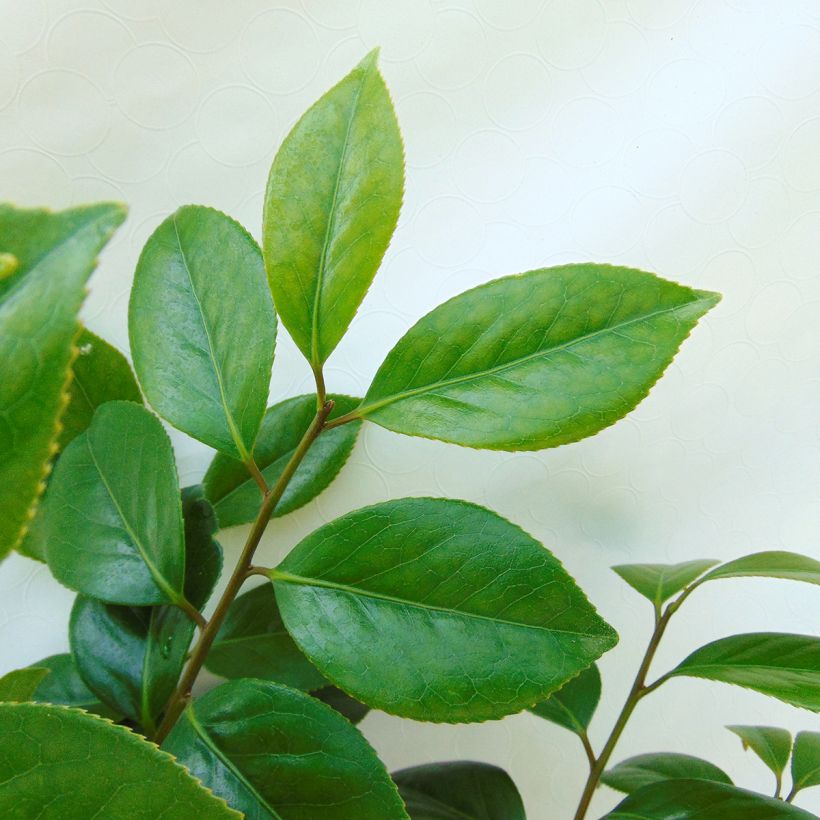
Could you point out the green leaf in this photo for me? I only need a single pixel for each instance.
(63, 763)
(21, 684)
(458, 790)
(40, 297)
(100, 374)
(806, 761)
(275, 752)
(64, 687)
(235, 495)
(535, 360)
(331, 205)
(639, 771)
(112, 521)
(203, 329)
(132, 657)
(438, 610)
(253, 643)
(659, 582)
(772, 745)
(574, 704)
(334, 697)
(773, 564)
(786, 667)
(702, 800)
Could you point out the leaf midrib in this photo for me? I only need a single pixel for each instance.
(203, 735)
(364, 409)
(234, 430)
(331, 225)
(299, 580)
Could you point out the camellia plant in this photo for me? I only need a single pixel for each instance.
(431, 609)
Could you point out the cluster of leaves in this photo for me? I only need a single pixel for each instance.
(430, 609)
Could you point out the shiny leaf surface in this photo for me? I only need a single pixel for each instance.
(345, 705)
(690, 799)
(772, 745)
(62, 763)
(40, 296)
(437, 609)
(202, 328)
(112, 521)
(275, 752)
(642, 770)
(235, 495)
(535, 360)
(806, 760)
(574, 704)
(253, 643)
(63, 686)
(783, 666)
(659, 582)
(459, 790)
(331, 205)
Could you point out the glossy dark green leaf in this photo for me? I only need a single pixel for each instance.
(772, 745)
(774, 564)
(535, 360)
(783, 666)
(806, 761)
(202, 328)
(112, 521)
(275, 752)
(345, 705)
(21, 684)
(438, 610)
(253, 643)
(459, 790)
(659, 582)
(331, 205)
(639, 771)
(64, 687)
(235, 495)
(131, 657)
(574, 704)
(40, 295)
(62, 763)
(100, 373)
(702, 800)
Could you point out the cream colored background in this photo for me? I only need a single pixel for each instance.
(674, 135)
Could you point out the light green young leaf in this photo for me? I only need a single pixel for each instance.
(235, 495)
(773, 564)
(62, 763)
(21, 684)
(702, 800)
(438, 610)
(331, 206)
(203, 329)
(100, 373)
(459, 789)
(112, 521)
(275, 752)
(772, 745)
(253, 643)
(64, 687)
(40, 297)
(574, 704)
(659, 582)
(784, 666)
(642, 770)
(131, 657)
(806, 761)
(535, 360)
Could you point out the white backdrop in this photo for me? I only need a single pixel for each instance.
(678, 136)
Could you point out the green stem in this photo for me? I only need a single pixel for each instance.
(791, 795)
(590, 752)
(256, 473)
(178, 700)
(193, 613)
(638, 691)
(321, 394)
